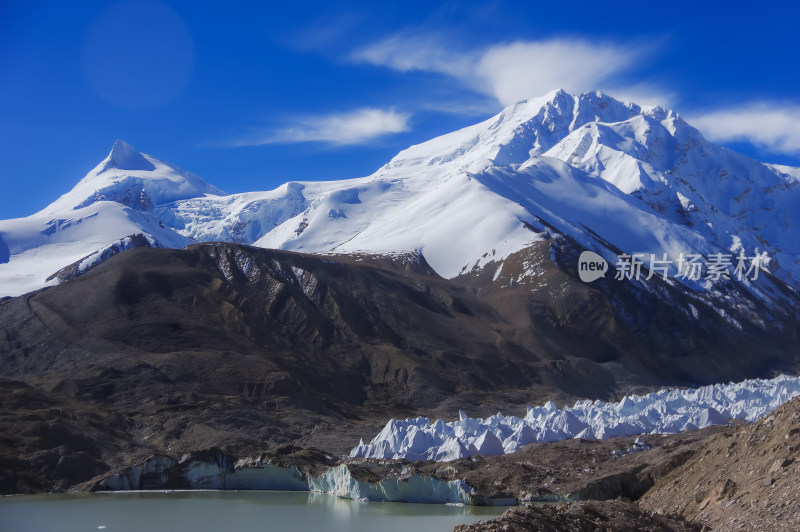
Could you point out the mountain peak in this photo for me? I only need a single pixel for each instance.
(135, 180)
(556, 94)
(124, 157)
(522, 130)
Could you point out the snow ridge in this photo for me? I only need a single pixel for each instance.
(662, 412)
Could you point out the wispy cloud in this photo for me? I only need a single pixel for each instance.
(643, 94)
(460, 106)
(412, 51)
(325, 32)
(508, 72)
(771, 126)
(354, 127)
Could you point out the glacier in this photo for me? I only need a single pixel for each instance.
(220, 473)
(414, 488)
(662, 412)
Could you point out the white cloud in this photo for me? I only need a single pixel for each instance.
(771, 126)
(521, 70)
(507, 72)
(355, 127)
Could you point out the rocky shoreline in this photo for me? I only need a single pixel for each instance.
(550, 472)
(735, 477)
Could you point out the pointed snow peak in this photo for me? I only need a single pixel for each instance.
(135, 180)
(125, 157)
(559, 98)
(556, 97)
(557, 101)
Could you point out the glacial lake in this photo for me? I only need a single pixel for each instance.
(226, 511)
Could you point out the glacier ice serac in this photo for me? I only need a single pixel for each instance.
(610, 175)
(254, 474)
(665, 411)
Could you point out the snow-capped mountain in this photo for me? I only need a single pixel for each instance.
(662, 188)
(106, 207)
(614, 177)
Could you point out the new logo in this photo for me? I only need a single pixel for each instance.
(591, 266)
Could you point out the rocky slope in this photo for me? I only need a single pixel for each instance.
(247, 349)
(585, 516)
(736, 478)
(748, 479)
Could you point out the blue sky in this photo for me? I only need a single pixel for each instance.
(250, 95)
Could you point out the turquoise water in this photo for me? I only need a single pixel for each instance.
(225, 511)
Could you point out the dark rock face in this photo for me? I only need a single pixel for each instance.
(171, 351)
(49, 443)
